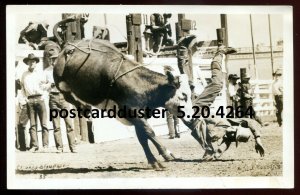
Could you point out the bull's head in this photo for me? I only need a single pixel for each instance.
(181, 102)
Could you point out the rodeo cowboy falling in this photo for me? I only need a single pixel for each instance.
(207, 131)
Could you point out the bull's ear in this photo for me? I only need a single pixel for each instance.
(173, 80)
(170, 76)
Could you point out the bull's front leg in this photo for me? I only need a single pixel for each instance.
(166, 154)
(144, 132)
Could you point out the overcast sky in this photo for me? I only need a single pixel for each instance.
(206, 24)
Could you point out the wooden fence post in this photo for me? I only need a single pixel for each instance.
(138, 51)
(130, 34)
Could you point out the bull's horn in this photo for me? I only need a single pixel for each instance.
(59, 39)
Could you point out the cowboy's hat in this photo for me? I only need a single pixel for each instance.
(233, 77)
(31, 56)
(245, 75)
(242, 134)
(167, 15)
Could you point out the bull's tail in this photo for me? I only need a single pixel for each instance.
(57, 36)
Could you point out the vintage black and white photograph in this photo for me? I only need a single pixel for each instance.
(148, 97)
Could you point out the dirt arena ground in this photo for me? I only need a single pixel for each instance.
(125, 158)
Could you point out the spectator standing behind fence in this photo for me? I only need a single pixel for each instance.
(58, 102)
(232, 89)
(22, 117)
(278, 94)
(173, 125)
(167, 41)
(246, 93)
(172, 121)
(33, 33)
(33, 83)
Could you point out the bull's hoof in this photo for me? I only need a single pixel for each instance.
(208, 158)
(157, 166)
(168, 156)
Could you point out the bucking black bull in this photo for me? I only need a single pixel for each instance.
(94, 72)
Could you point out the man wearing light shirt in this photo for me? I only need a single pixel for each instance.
(32, 89)
(57, 102)
(278, 94)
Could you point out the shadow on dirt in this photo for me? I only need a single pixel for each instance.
(81, 170)
(200, 160)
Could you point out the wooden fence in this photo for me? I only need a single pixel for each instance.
(263, 102)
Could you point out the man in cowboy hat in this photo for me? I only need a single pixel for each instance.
(232, 89)
(278, 94)
(32, 89)
(245, 91)
(57, 102)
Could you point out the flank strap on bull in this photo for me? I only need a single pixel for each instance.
(123, 58)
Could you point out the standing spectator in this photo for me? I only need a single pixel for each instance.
(81, 127)
(245, 93)
(173, 125)
(57, 102)
(232, 89)
(278, 94)
(22, 117)
(172, 120)
(32, 83)
(167, 31)
(33, 33)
